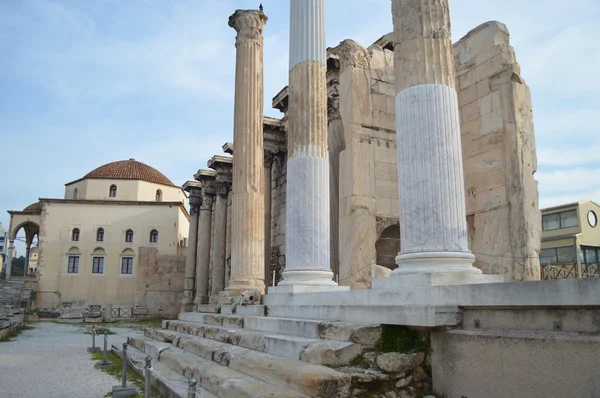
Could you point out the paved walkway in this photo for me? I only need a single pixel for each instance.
(52, 361)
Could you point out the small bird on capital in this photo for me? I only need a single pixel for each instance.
(260, 7)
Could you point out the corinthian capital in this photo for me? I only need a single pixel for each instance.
(248, 24)
(195, 201)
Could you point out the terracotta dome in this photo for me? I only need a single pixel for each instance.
(129, 170)
(33, 208)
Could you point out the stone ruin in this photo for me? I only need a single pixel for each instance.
(413, 155)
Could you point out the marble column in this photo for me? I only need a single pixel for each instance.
(195, 199)
(430, 170)
(203, 250)
(248, 201)
(269, 156)
(9, 256)
(27, 254)
(307, 239)
(222, 165)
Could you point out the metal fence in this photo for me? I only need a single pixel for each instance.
(569, 271)
(122, 313)
(48, 312)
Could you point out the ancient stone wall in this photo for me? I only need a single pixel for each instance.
(498, 145)
(159, 283)
(368, 178)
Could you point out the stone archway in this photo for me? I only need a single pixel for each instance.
(388, 243)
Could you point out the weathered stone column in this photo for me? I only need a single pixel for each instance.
(9, 256)
(307, 208)
(248, 201)
(269, 156)
(222, 166)
(431, 185)
(203, 250)
(27, 254)
(195, 199)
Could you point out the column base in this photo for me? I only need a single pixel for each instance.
(237, 287)
(201, 300)
(427, 269)
(307, 281)
(435, 263)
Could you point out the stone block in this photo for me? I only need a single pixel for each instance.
(492, 122)
(394, 362)
(122, 392)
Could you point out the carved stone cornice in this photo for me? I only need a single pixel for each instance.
(248, 24)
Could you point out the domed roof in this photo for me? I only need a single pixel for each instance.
(33, 208)
(129, 170)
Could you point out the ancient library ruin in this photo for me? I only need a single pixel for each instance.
(394, 201)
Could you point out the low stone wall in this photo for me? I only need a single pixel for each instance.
(9, 321)
(533, 352)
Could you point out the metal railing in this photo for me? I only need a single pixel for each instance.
(122, 313)
(569, 271)
(48, 312)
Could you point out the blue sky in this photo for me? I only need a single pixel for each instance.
(83, 83)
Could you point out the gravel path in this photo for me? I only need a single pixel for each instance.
(52, 361)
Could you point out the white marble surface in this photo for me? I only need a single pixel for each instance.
(307, 31)
(431, 187)
(307, 227)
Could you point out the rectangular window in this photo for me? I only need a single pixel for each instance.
(547, 256)
(566, 219)
(551, 221)
(73, 265)
(590, 254)
(98, 265)
(566, 255)
(1, 238)
(1, 248)
(127, 265)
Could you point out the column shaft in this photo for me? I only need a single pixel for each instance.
(432, 200)
(248, 228)
(307, 207)
(203, 251)
(268, 170)
(190, 261)
(220, 231)
(9, 257)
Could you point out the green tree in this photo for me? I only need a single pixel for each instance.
(18, 266)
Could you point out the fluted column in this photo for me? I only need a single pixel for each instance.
(432, 200)
(269, 155)
(203, 251)
(220, 231)
(190, 261)
(307, 203)
(248, 201)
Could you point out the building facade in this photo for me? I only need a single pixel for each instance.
(3, 243)
(103, 242)
(570, 241)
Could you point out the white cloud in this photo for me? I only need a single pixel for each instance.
(569, 156)
(578, 179)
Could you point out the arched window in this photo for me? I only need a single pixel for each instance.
(98, 257)
(113, 191)
(158, 195)
(127, 262)
(75, 194)
(73, 260)
(75, 235)
(100, 235)
(129, 236)
(154, 236)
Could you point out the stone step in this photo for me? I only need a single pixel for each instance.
(367, 335)
(423, 316)
(321, 352)
(252, 310)
(304, 378)
(215, 379)
(209, 308)
(166, 381)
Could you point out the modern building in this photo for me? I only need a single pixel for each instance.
(93, 244)
(570, 241)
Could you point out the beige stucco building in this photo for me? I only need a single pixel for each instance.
(91, 241)
(570, 241)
